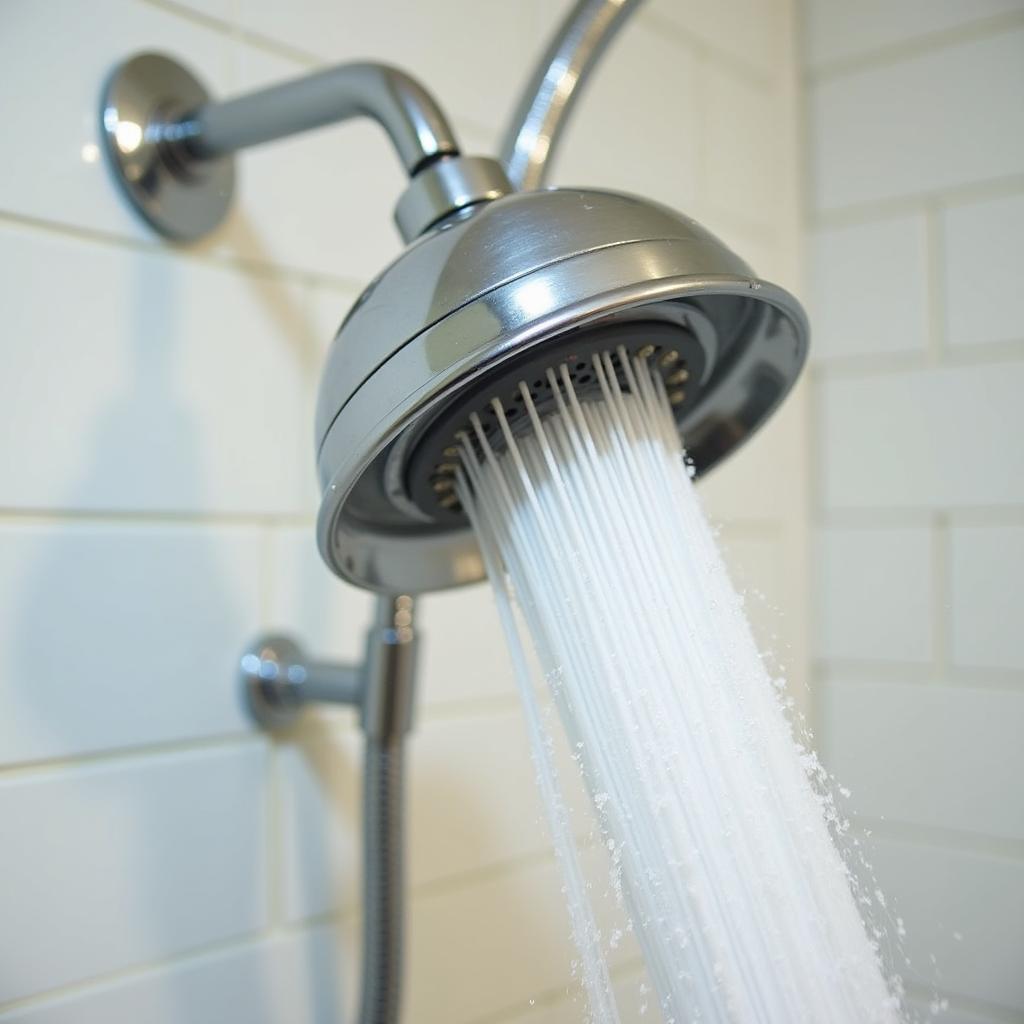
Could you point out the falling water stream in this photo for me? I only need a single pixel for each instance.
(607, 576)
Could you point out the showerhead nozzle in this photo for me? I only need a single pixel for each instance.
(497, 296)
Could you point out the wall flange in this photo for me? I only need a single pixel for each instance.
(144, 110)
(280, 681)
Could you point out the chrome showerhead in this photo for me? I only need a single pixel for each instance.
(495, 296)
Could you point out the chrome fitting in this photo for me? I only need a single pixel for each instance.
(446, 186)
(279, 680)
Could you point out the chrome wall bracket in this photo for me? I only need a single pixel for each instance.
(280, 681)
(143, 102)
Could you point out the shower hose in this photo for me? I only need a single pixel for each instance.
(383, 838)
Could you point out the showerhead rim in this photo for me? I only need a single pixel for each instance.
(382, 560)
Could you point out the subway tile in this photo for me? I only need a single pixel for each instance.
(747, 168)
(118, 636)
(861, 123)
(930, 438)
(328, 309)
(472, 804)
(462, 654)
(926, 754)
(982, 258)
(763, 480)
(770, 252)
(473, 57)
(176, 385)
(629, 131)
(757, 569)
(296, 978)
(635, 1002)
(53, 164)
(874, 587)
(513, 928)
(320, 830)
(964, 916)
(987, 565)
(327, 616)
(750, 31)
(111, 866)
(923, 1008)
(869, 288)
(837, 30)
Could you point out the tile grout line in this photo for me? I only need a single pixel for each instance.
(941, 595)
(860, 367)
(121, 756)
(889, 55)
(65, 516)
(723, 60)
(207, 255)
(884, 516)
(866, 672)
(98, 982)
(550, 998)
(978, 844)
(267, 580)
(992, 1012)
(871, 210)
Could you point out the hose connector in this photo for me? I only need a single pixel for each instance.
(390, 682)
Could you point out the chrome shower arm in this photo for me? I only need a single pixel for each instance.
(411, 117)
(171, 145)
(555, 86)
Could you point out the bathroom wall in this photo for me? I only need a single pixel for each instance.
(915, 206)
(162, 861)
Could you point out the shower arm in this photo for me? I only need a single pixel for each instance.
(171, 146)
(556, 84)
(412, 119)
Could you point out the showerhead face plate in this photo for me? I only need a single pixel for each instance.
(674, 350)
(526, 284)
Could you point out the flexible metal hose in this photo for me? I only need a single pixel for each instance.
(383, 880)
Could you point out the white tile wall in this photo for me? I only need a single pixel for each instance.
(974, 908)
(982, 249)
(915, 156)
(930, 439)
(120, 636)
(836, 30)
(293, 978)
(309, 602)
(633, 131)
(515, 919)
(151, 403)
(875, 585)
(869, 288)
(959, 105)
(52, 168)
(744, 30)
(157, 498)
(943, 756)
(987, 567)
(474, 59)
(458, 766)
(109, 866)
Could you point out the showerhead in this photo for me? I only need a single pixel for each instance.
(497, 295)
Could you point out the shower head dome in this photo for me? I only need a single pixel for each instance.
(526, 282)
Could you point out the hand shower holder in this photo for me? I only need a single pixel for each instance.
(280, 681)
